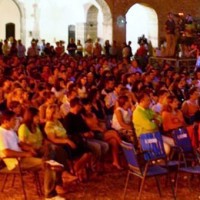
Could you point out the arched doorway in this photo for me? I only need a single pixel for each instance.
(102, 16)
(10, 30)
(92, 23)
(17, 18)
(141, 19)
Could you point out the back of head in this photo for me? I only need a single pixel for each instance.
(7, 115)
(75, 101)
(141, 96)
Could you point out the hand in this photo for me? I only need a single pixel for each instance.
(27, 154)
(33, 152)
(71, 144)
(88, 135)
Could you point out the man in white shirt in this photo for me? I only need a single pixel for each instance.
(10, 148)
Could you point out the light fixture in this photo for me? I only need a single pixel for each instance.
(121, 21)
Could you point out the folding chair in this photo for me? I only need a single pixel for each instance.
(153, 148)
(191, 170)
(18, 171)
(188, 154)
(142, 171)
(183, 142)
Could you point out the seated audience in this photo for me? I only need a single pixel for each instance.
(29, 131)
(172, 118)
(101, 133)
(77, 128)
(74, 150)
(122, 118)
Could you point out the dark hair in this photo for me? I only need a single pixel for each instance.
(122, 100)
(29, 114)
(13, 104)
(7, 115)
(92, 94)
(75, 101)
(162, 92)
(85, 101)
(141, 96)
(170, 99)
(192, 90)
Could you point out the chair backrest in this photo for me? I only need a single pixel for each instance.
(152, 145)
(182, 139)
(131, 156)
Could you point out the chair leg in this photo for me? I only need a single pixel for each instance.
(158, 186)
(38, 184)
(4, 182)
(172, 184)
(176, 183)
(13, 180)
(126, 184)
(23, 187)
(141, 187)
(189, 182)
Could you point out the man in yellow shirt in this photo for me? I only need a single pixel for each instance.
(144, 119)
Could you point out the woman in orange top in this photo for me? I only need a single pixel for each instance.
(172, 118)
(191, 106)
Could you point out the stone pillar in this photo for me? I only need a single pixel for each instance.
(119, 31)
(81, 32)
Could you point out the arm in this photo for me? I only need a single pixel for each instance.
(184, 108)
(92, 123)
(27, 148)
(49, 130)
(11, 153)
(121, 120)
(56, 140)
(166, 121)
(22, 133)
(42, 110)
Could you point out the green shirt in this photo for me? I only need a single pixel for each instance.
(34, 139)
(143, 120)
(55, 128)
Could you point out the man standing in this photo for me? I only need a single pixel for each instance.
(21, 49)
(71, 47)
(170, 27)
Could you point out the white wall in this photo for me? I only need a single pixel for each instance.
(9, 13)
(51, 19)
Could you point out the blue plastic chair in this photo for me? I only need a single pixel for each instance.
(153, 148)
(182, 140)
(142, 171)
(188, 153)
(152, 145)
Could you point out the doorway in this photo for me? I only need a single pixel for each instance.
(141, 20)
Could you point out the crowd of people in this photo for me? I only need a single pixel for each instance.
(75, 108)
(182, 36)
